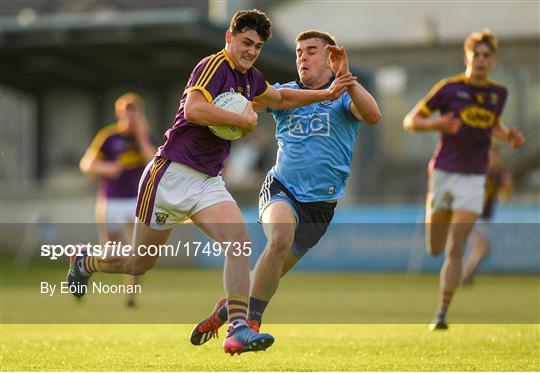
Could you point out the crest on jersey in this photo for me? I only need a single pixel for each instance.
(161, 218)
(494, 98)
(480, 97)
(326, 102)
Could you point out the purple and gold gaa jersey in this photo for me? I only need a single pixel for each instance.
(194, 145)
(478, 108)
(111, 145)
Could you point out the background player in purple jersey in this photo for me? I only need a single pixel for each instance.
(470, 105)
(117, 155)
(184, 181)
(498, 184)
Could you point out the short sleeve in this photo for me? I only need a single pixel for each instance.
(209, 76)
(346, 106)
(434, 100)
(260, 84)
(98, 148)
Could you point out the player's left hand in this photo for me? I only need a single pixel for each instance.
(515, 138)
(339, 85)
(339, 62)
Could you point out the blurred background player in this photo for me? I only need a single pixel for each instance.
(118, 155)
(498, 185)
(184, 180)
(470, 105)
(300, 193)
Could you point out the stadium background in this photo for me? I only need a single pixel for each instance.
(62, 64)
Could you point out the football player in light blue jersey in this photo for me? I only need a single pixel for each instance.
(300, 193)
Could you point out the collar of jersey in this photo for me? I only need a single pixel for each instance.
(324, 86)
(231, 64)
(469, 83)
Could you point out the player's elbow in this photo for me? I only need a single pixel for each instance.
(373, 118)
(190, 113)
(84, 166)
(408, 123)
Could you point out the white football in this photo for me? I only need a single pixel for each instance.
(235, 103)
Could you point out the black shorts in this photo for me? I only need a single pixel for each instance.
(312, 218)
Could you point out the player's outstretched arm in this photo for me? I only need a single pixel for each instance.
(199, 111)
(284, 98)
(416, 121)
(511, 136)
(91, 163)
(363, 106)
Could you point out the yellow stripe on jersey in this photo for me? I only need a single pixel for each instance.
(145, 201)
(207, 79)
(425, 110)
(265, 91)
(209, 66)
(207, 74)
(94, 150)
(231, 64)
(436, 88)
(204, 91)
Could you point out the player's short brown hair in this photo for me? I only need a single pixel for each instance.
(254, 20)
(481, 37)
(312, 34)
(126, 99)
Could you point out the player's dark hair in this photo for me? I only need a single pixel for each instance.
(326, 37)
(482, 37)
(252, 20)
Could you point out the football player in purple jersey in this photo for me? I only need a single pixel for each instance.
(470, 107)
(184, 180)
(117, 156)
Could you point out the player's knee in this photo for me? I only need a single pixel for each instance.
(279, 243)
(454, 253)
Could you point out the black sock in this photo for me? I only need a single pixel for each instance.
(222, 313)
(256, 309)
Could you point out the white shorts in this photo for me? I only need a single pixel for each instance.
(170, 193)
(455, 191)
(119, 212)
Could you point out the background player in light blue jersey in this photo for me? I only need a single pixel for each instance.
(300, 193)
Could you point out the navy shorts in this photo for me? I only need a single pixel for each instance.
(312, 218)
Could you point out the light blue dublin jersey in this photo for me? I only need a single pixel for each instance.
(316, 145)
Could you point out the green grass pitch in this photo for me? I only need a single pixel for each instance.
(321, 322)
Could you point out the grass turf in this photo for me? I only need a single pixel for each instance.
(298, 348)
(383, 325)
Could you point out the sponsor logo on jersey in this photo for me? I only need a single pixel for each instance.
(478, 117)
(463, 95)
(303, 126)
